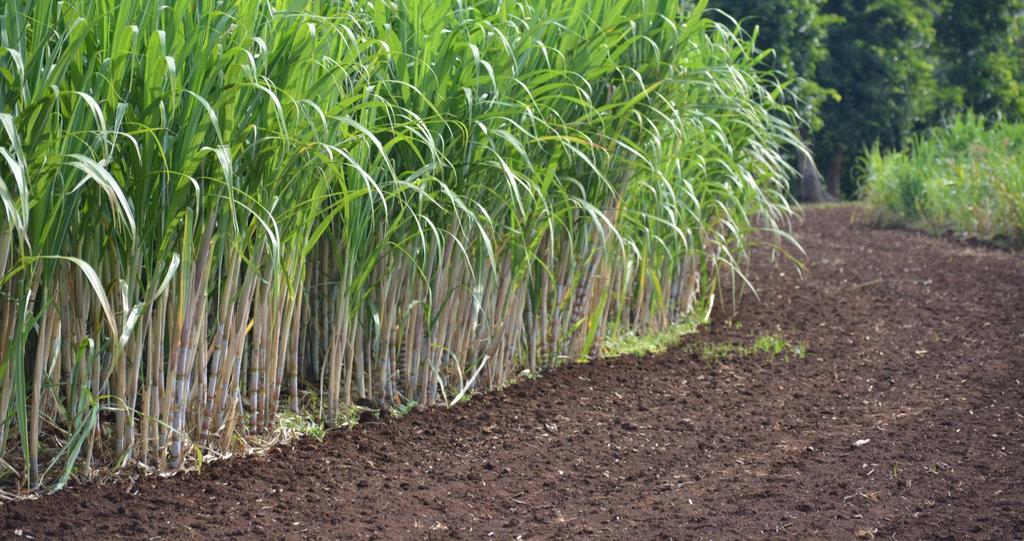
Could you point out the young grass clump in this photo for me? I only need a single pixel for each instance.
(967, 177)
(771, 345)
(210, 208)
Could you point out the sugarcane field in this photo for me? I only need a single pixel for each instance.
(524, 269)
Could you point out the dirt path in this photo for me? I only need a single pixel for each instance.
(914, 343)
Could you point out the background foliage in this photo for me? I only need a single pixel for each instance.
(896, 67)
(965, 177)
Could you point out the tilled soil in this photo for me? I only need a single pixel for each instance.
(913, 343)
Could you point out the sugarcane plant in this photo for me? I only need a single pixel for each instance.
(215, 210)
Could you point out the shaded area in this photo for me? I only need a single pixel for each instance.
(913, 343)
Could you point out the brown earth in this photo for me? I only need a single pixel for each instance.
(914, 343)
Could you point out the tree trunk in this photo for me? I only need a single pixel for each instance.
(810, 180)
(835, 171)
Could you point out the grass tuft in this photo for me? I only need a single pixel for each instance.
(649, 344)
(772, 345)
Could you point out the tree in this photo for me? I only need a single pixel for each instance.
(979, 56)
(795, 31)
(879, 64)
(876, 71)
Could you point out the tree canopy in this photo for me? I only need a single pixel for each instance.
(879, 64)
(796, 31)
(979, 56)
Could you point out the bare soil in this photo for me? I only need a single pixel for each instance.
(914, 343)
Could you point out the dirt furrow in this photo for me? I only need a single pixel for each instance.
(895, 410)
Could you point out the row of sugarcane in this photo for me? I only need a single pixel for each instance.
(216, 211)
